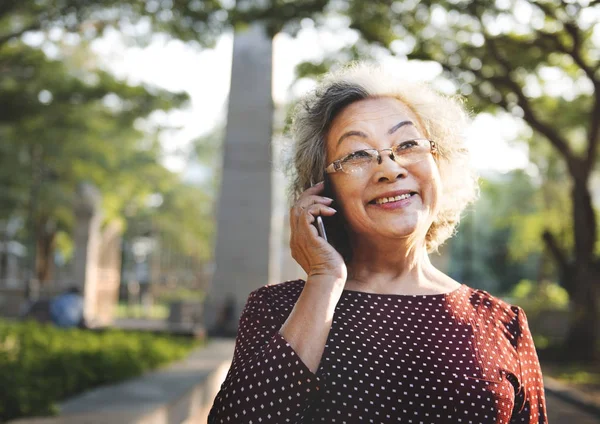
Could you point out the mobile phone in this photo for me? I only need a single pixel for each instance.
(321, 228)
(337, 234)
(319, 223)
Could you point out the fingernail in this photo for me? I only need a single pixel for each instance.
(331, 209)
(329, 199)
(320, 182)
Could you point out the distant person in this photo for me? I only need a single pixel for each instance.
(377, 334)
(66, 309)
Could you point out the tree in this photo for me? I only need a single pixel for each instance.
(197, 20)
(486, 252)
(58, 129)
(189, 20)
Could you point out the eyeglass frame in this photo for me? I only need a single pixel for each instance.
(336, 165)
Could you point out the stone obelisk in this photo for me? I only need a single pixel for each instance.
(244, 209)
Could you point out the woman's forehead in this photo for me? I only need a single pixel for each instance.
(372, 116)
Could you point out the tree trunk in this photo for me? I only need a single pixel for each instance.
(584, 221)
(44, 266)
(582, 278)
(582, 338)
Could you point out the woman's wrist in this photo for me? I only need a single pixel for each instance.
(326, 281)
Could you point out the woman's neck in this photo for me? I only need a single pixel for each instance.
(395, 267)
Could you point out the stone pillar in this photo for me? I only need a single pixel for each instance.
(244, 209)
(87, 242)
(290, 269)
(109, 273)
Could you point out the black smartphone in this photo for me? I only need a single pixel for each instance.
(333, 228)
(319, 223)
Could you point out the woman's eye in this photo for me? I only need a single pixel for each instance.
(406, 145)
(361, 154)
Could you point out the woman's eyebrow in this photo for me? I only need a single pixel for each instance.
(351, 134)
(363, 135)
(399, 125)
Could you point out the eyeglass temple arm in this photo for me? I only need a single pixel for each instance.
(331, 168)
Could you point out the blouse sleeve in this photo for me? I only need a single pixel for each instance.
(530, 402)
(267, 381)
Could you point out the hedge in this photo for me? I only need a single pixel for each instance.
(41, 365)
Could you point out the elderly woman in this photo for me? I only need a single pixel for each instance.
(376, 333)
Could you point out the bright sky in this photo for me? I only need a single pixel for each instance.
(205, 75)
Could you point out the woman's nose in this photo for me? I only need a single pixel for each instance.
(388, 169)
(383, 153)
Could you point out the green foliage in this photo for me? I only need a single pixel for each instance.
(41, 365)
(584, 375)
(198, 20)
(63, 122)
(159, 311)
(73, 135)
(482, 251)
(183, 219)
(535, 297)
(180, 295)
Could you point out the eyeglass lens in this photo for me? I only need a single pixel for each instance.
(405, 153)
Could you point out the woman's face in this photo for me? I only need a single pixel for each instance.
(380, 123)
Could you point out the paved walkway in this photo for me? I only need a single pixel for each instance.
(561, 412)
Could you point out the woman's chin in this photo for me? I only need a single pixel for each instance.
(404, 224)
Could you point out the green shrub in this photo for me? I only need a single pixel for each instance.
(536, 297)
(180, 294)
(41, 365)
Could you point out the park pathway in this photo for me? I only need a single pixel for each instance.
(562, 412)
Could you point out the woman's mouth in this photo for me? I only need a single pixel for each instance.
(395, 202)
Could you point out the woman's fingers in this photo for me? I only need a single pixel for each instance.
(317, 188)
(305, 223)
(304, 217)
(312, 199)
(305, 203)
(317, 209)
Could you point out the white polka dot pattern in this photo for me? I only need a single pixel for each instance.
(461, 357)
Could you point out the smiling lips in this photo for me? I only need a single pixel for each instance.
(383, 200)
(392, 197)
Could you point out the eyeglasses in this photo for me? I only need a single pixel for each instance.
(405, 153)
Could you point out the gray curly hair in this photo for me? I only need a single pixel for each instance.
(442, 118)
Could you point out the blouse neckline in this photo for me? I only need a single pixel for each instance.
(410, 296)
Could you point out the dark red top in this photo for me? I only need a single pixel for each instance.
(460, 357)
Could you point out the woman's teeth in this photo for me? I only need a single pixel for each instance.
(383, 200)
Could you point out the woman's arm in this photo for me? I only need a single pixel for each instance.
(269, 379)
(530, 402)
(309, 323)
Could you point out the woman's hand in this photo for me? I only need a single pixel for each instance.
(315, 255)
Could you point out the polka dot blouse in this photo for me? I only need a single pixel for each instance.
(460, 357)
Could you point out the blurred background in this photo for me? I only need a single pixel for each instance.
(142, 159)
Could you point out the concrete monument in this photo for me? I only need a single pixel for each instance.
(244, 209)
(97, 257)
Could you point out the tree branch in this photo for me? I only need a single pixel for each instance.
(6, 38)
(574, 51)
(594, 134)
(558, 255)
(555, 139)
(7, 6)
(550, 133)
